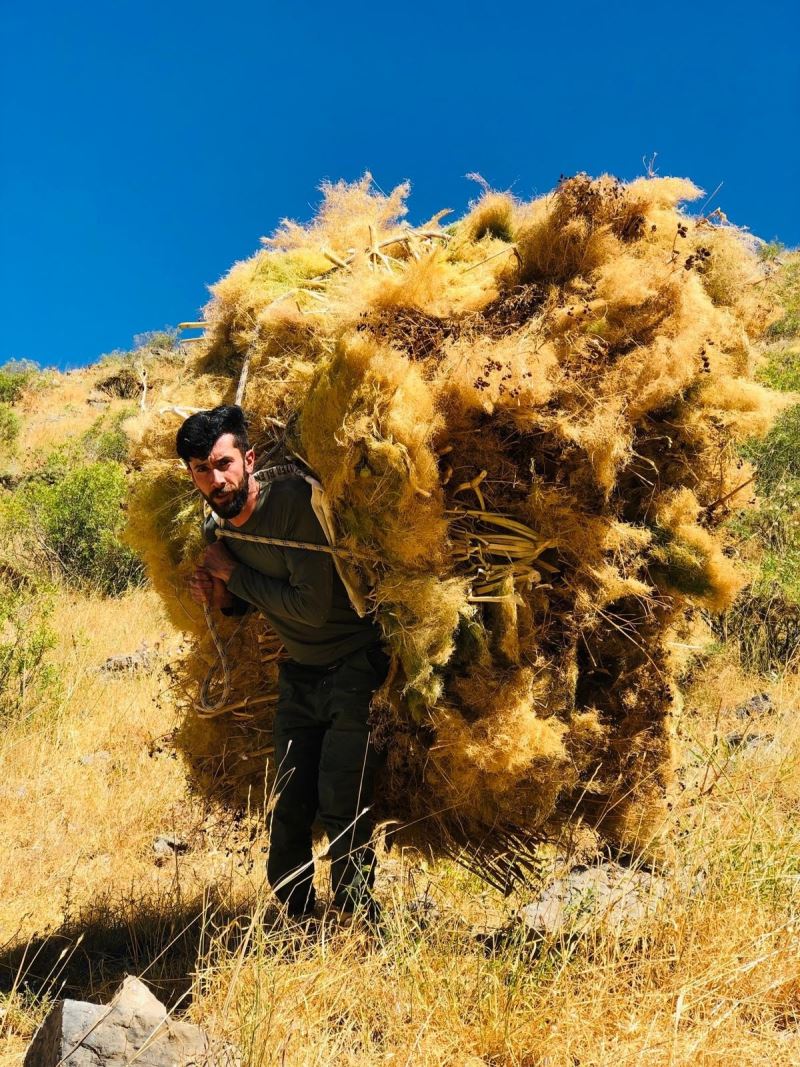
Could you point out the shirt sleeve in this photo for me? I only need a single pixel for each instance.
(239, 606)
(307, 595)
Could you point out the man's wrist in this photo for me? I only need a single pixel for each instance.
(228, 571)
(220, 597)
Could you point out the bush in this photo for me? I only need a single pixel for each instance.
(125, 383)
(765, 620)
(782, 368)
(777, 456)
(25, 639)
(14, 376)
(766, 628)
(788, 294)
(106, 440)
(9, 426)
(78, 517)
(157, 342)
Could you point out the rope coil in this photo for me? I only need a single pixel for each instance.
(204, 705)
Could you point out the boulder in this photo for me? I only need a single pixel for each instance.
(608, 894)
(134, 1026)
(756, 706)
(141, 659)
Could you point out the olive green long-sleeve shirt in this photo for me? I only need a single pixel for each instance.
(297, 590)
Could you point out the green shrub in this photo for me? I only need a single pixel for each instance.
(788, 294)
(781, 369)
(25, 639)
(106, 440)
(14, 376)
(771, 251)
(777, 456)
(111, 445)
(157, 342)
(77, 514)
(775, 527)
(9, 426)
(765, 620)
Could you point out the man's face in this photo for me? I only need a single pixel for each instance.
(223, 478)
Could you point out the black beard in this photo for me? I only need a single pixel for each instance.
(229, 505)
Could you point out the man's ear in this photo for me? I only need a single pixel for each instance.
(250, 460)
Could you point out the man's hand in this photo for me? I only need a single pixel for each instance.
(205, 589)
(219, 562)
(201, 586)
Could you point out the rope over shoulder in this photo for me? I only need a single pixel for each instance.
(225, 531)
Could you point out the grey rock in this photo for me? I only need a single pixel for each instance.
(748, 741)
(760, 704)
(169, 845)
(139, 660)
(135, 1026)
(608, 894)
(424, 911)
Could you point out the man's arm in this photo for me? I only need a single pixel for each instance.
(307, 595)
(207, 589)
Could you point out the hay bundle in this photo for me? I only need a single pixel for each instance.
(525, 423)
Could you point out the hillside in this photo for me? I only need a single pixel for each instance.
(90, 779)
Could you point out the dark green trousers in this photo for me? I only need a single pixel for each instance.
(325, 769)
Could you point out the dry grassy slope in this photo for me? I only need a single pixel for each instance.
(62, 407)
(711, 977)
(86, 789)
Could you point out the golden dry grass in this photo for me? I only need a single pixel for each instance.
(710, 977)
(579, 366)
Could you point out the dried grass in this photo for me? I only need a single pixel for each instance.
(580, 366)
(709, 975)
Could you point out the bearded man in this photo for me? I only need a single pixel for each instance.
(325, 760)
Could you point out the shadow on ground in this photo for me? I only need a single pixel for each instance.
(87, 958)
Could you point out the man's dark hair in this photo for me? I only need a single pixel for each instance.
(200, 431)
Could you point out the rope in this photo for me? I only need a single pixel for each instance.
(204, 705)
(220, 532)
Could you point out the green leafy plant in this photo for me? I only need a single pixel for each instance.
(777, 456)
(765, 620)
(14, 377)
(788, 294)
(157, 342)
(25, 639)
(106, 440)
(9, 426)
(75, 515)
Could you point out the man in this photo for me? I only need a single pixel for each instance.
(325, 762)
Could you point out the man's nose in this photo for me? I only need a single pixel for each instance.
(217, 479)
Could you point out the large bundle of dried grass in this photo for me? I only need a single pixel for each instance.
(525, 422)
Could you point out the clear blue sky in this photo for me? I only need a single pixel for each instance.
(147, 146)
